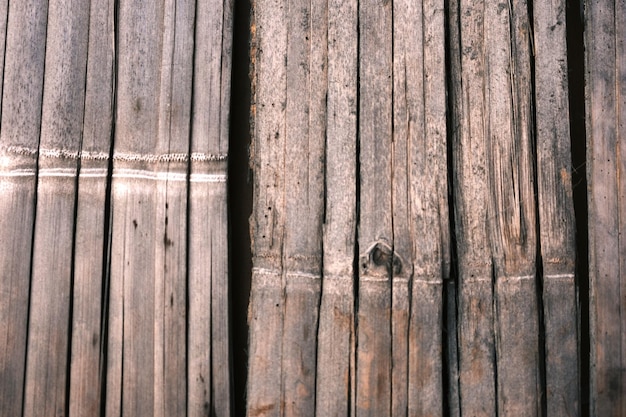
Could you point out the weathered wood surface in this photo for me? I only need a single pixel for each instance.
(59, 145)
(97, 299)
(605, 66)
(209, 378)
(495, 209)
(91, 236)
(22, 90)
(557, 232)
(347, 162)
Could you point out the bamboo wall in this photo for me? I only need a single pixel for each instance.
(436, 221)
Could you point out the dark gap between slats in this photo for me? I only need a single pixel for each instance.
(357, 220)
(576, 80)
(240, 202)
(449, 349)
(541, 348)
(108, 225)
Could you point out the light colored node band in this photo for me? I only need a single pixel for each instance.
(117, 156)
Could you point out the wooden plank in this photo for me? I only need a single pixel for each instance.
(605, 105)
(509, 132)
(51, 280)
(556, 210)
(305, 130)
(209, 360)
(4, 9)
(377, 260)
(266, 308)
(19, 138)
(170, 248)
(132, 326)
(336, 341)
(91, 237)
(476, 344)
(420, 201)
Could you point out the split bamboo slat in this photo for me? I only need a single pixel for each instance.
(348, 164)
(114, 256)
(605, 66)
(87, 366)
(557, 222)
(59, 145)
(22, 92)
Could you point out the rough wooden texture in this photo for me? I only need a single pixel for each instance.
(305, 130)
(19, 140)
(476, 344)
(605, 65)
(336, 341)
(420, 205)
(509, 135)
(131, 350)
(495, 209)
(51, 277)
(556, 210)
(266, 308)
(91, 237)
(209, 364)
(378, 263)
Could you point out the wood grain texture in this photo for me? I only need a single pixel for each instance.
(266, 307)
(91, 238)
(305, 129)
(209, 362)
(53, 241)
(476, 343)
(336, 341)
(133, 329)
(495, 208)
(509, 135)
(556, 210)
(605, 66)
(23, 75)
(420, 203)
(377, 261)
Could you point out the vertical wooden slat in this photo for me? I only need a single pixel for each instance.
(131, 353)
(335, 350)
(509, 132)
(61, 135)
(170, 248)
(556, 209)
(209, 362)
(475, 322)
(375, 231)
(266, 308)
(19, 141)
(304, 200)
(91, 237)
(420, 202)
(605, 65)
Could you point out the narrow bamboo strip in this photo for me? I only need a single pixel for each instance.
(336, 341)
(209, 360)
(91, 236)
(133, 322)
(23, 75)
(266, 308)
(53, 240)
(556, 210)
(605, 66)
